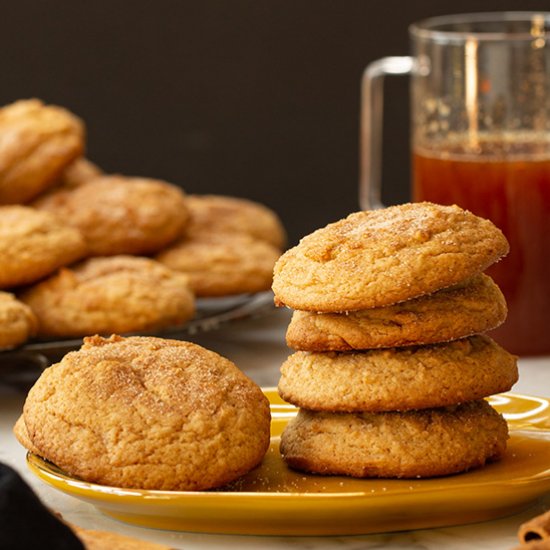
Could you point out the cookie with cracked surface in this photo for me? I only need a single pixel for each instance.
(148, 413)
(121, 215)
(220, 265)
(471, 307)
(110, 294)
(427, 443)
(34, 244)
(37, 142)
(17, 321)
(382, 257)
(222, 214)
(414, 377)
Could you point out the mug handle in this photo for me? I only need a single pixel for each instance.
(372, 104)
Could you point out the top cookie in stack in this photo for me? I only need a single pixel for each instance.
(382, 257)
(392, 370)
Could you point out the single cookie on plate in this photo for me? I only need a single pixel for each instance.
(381, 257)
(427, 443)
(219, 265)
(121, 215)
(148, 413)
(414, 377)
(222, 214)
(34, 244)
(37, 142)
(110, 294)
(17, 321)
(471, 307)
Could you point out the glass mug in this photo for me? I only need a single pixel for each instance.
(480, 124)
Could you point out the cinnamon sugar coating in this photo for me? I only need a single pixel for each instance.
(110, 294)
(382, 257)
(148, 413)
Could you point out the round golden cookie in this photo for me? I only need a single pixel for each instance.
(33, 244)
(148, 413)
(381, 257)
(37, 142)
(471, 307)
(121, 215)
(398, 379)
(111, 294)
(222, 214)
(219, 265)
(17, 322)
(428, 443)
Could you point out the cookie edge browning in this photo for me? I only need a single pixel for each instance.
(108, 473)
(407, 323)
(66, 303)
(324, 259)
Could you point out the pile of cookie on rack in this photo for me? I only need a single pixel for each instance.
(84, 252)
(392, 366)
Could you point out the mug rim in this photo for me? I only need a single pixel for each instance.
(426, 29)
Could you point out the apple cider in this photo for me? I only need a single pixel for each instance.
(508, 183)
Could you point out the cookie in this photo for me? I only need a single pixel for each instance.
(34, 244)
(471, 307)
(106, 540)
(432, 442)
(148, 413)
(37, 142)
(381, 257)
(121, 215)
(415, 377)
(17, 322)
(219, 265)
(110, 294)
(221, 214)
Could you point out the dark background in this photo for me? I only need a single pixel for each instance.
(253, 98)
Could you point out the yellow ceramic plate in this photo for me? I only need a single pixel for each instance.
(275, 500)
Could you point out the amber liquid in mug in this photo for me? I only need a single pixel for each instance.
(512, 190)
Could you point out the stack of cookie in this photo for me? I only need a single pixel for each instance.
(70, 234)
(392, 367)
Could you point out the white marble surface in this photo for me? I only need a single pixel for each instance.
(257, 346)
